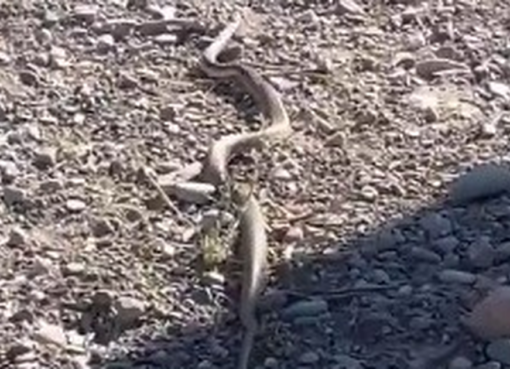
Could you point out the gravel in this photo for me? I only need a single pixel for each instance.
(388, 210)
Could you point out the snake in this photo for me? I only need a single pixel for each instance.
(252, 227)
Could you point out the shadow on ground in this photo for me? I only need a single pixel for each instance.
(381, 300)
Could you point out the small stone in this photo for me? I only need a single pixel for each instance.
(44, 36)
(75, 205)
(119, 28)
(309, 358)
(129, 310)
(460, 362)
(58, 57)
(153, 27)
(165, 39)
(22, 315)
(349, 7)
(105, 43)
(499, 89)
(9, 171)
(425, 255)
(305, 308)
(487, 180)
(309, 17)
(436, 225)
(456, 277)
(17, 237)
(430, 114)
(282, 174)
(489, 129)
(13, 195)
(29, 78)
(489, 365)
(18, 348)
(489, 318)
(213, 278)
(205, 364)
(5, 59)
(45, 158)
(502, 252)
(499, 351)
(50, 18)
(102, 227)
(51, 185)
(381, 277)
(71, 269)
(102, 299)
(369, 193)
(165, 12)
(85, 13)
(48, 333)
(346, 362)
(405, 60)
(41, 266)
(293, 234)
(168, 250)
(446, 244)
(270, 363)
(481, 253)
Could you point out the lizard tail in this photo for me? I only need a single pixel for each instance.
(246, 348)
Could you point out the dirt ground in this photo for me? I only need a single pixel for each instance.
(389, 101)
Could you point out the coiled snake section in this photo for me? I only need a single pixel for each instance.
(252, 225)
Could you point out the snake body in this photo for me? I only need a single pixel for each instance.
(252, 225)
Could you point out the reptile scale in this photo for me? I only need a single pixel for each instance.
(252, 225)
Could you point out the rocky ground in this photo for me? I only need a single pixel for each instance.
(390, 101)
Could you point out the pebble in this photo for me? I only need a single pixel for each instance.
(460, 362)
(309, 358)
(481, 253)
(18, 348)
(102, 227)
(13, 195)
(305, 308)
(499, 89)
(75, 205)
(369, 193)
(129, 309)
(45, 158)
(164, 12)
(293, 234)
(489, 318)
(105, 43)
(9, 171)
(29, 77)
(346, 362)
(436, 225)
(50, 334)
(502, 252)
(71, 269)
(282, 174)
(483, 181)
(425, 255)
(17, 237)
(165, 39)
(489, 365)
(499, 350)
(85, 13)
(446, 245)
(349, 7)
(456, 277)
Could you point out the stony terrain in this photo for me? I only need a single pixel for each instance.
(390, 101)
